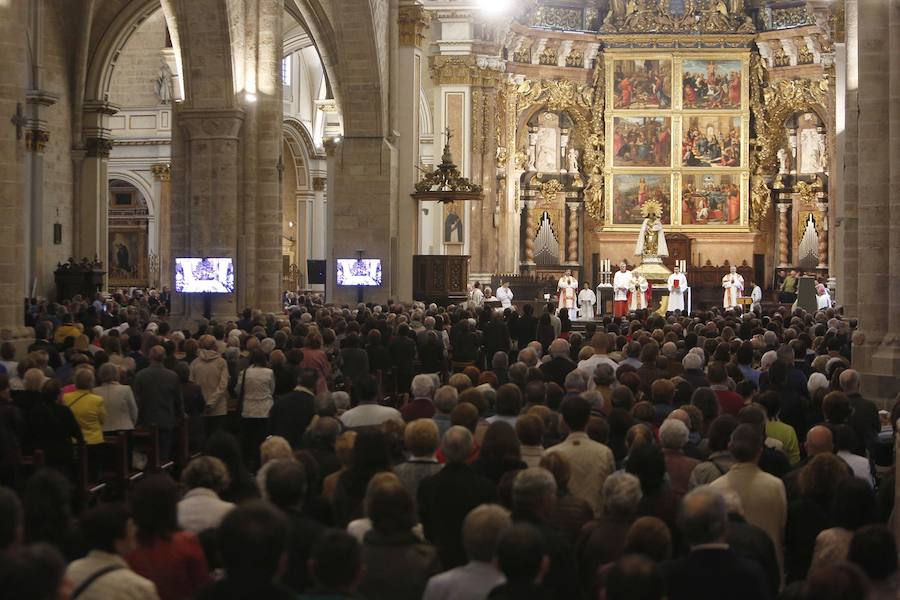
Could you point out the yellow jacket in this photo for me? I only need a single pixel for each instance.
(90, 413)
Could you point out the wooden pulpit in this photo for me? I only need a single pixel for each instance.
(440, 279)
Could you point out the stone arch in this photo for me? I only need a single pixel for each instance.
(103, 55)
(354, 52)
(302, 149)
(141, 184)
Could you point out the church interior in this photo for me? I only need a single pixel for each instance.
(145, 130)
(389, 298)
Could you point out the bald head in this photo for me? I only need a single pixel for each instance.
(559, 348)
(681, 416)
(703, 516)
(157, 354)
(819, 441)
(849, 380)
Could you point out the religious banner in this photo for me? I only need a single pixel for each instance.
(642, 83)
(711, 84)
(631, 191)
(642, 142)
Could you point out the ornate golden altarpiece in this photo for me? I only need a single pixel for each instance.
(671, 102)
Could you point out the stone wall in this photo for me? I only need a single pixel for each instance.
(57, 179)
(133, 80)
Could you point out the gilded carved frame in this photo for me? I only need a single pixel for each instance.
(678, 115)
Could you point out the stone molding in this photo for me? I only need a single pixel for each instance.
(222, 124)
(36, 140)
(412, 20)
(98, 147)
(161, 172)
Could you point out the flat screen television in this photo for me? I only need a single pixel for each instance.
(359, 271)
(204, 275)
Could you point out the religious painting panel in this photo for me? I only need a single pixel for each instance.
(711, 199)
(711, 84)
(642, 142)
(631, 191)
(642, 83)
(711, 141)
(128, 256)
(453, 228)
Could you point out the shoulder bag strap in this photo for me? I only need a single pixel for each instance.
(94, 577)
(74, 402)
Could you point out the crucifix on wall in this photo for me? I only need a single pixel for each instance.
(19, 121)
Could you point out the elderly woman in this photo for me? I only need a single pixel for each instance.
(90, 412)
(255, 388)
(673, 435)
(603, 539)
(200, 509)
(398, 563)
(118, 400)
(421, 441)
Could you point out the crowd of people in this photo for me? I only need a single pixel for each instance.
(405, 451)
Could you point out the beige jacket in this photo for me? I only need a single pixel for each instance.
(210, 371)
(121, 584)
(763, 499)
(591, 463)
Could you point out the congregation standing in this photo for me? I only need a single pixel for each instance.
(410, 451)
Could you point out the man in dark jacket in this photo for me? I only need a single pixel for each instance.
(286, 488)
(864, 418)
(495, 337)
(559, 364)
(253, 539)
(712, 570)
(534, 499)
(291, 413)
(157, 391)
(446, 497)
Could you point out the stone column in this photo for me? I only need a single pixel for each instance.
(39, 278)
(876, 349)
(205, 221)
(305, 201)
(823, 236)
(92, 208)
(412, 19)
(162, 177)
(13, 46)
(362, 183)
(784, 243)
(847, 210)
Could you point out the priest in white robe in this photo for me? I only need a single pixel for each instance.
(621, 287)
(756, 296)
(505, 295)
(733, 283)
(823, 298)
(586, 301)
(567, 289)
(677, 286)
(476, 298)
(638, 297)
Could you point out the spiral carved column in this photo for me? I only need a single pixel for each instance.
(783, 242)
(572, 250)
(823, 237)
(529, 232)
